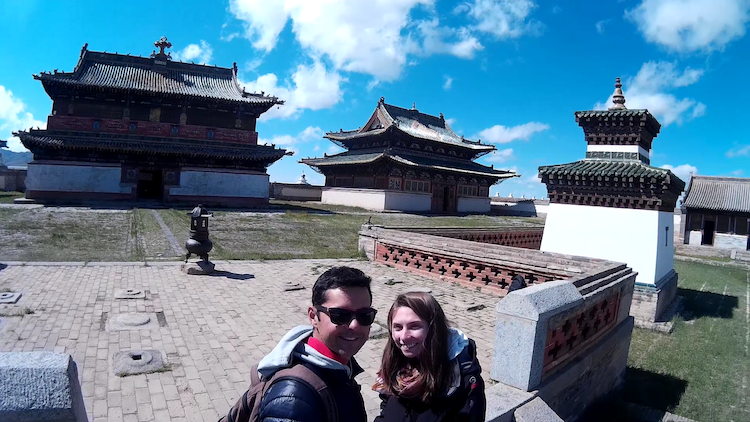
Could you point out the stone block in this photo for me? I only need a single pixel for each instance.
(40, 386)
(503, 400)
(137, 362)
(593, 374)
(198, 268)
(9, 297)
(132, 321)
(521, 331)
(651, 301)
(536, 411)
(129, 294)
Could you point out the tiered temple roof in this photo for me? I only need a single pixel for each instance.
(153, 77)
(116, 78)
(727, 194)
(407, 137)
(611, 176)
(417, 161)
(389, 118)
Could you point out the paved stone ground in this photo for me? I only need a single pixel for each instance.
(217, 327)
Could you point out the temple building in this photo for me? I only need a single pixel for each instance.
(614, 205)
(127, 127)
(716, 212)
(405, 160)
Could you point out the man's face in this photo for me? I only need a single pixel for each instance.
(344, 340)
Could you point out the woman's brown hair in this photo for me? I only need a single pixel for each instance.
(432, 364)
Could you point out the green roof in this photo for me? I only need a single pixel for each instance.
(593, 167)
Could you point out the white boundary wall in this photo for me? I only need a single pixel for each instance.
(196, 182)
(639, 238)
(75, 177)
(473, 204)
(377, 199)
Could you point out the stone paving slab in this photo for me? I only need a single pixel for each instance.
(216, 327)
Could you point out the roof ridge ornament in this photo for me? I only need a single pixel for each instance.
(162, 43)
(618, 99)
(381, 100)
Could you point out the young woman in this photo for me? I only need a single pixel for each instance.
(429, 371)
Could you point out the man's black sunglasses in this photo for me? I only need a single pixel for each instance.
(340, 316)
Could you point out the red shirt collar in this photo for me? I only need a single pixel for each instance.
(321, 348)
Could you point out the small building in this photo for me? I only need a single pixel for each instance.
(614, 205)
(126, 127)
(405, 160)
(716, 211)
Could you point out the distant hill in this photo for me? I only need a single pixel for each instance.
(11, 158)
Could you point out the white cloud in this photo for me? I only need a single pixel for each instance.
(380, 37)
(600, 26)
(691, 25)
(500, 134)
(528, 186)
(450, 121)
(736, 173)
(448, 83)
(312, 88)
(683, 171)
(649, 90)
(500, 156)
(291, 142)
(501, 18)
(743, 151)
(202, 53)
(13, 117)
(464, 46)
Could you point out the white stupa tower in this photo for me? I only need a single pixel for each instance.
(614, 205)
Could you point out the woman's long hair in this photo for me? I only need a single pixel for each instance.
(432, 364)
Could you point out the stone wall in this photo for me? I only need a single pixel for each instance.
(517, 237)
(295, 192)
(12, 179)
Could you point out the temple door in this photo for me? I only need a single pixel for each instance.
(438, 193)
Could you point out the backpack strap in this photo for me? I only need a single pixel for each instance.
(302, 373)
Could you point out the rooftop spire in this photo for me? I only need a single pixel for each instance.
(162, 43)
(617, 97)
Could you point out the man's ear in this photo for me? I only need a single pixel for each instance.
(312, 316)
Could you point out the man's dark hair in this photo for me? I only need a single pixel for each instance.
(339, 278)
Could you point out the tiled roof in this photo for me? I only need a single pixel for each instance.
(3, 143)
(624, 112)
(461, 166)
(414, 123)
(98, 70)
(731, 194)
(592, 167)
(38, 139)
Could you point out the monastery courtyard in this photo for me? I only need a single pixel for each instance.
(212, 329)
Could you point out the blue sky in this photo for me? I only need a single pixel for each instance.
(511, 72)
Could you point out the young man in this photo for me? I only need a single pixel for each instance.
(340, 315)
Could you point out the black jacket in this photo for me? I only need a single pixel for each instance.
(290, 400)
(466, 403)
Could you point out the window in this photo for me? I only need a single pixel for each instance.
(696, 221)
(465, 190)
(741, 225)
(417, 185)
(209, 134)
(364, 182)
(133, 127)
(343, 181)
(175, 130)
(722, 224)
(394, 183)
(97, 125)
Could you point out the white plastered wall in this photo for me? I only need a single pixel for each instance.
(377, 199)
(635, 237)
(194, 182)
(473, 204)
(73, 177)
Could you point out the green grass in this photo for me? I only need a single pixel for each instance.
(699, 370)
(8, 197)
(285, 230)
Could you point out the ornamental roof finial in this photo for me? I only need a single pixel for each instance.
(618, 98)
(382, 100)
(162, 44)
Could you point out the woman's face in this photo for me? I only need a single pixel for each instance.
(409, 331)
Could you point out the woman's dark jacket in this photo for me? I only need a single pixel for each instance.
(464, 402)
